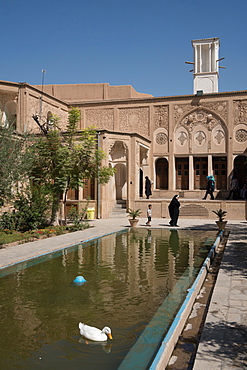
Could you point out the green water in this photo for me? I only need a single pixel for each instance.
(128, 275)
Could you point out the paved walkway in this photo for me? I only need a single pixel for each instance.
(223, 344)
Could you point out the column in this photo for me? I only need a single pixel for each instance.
(210, 164)
(191, 173)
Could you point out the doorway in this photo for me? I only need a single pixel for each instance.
(220, 172)
(200, 172)
(182, 173)
(141, 183)
(161, 169)
(240, 169)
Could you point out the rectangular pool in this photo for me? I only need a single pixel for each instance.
(128, 276)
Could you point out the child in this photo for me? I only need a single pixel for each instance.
(149, 215)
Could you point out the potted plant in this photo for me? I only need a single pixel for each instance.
(221, 223)
(134, 213)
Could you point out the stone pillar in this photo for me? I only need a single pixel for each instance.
(210, 164)
(191, 173)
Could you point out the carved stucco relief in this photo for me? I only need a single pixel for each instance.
(208, 120)
(161, 116)
(220, 108)
(218, 136)
(118, 150)
(241, 135)
(182, 137)
(100, 118)
(180, 110)
(161, 138)
(240, 111)
(200, 137)
(134, 120)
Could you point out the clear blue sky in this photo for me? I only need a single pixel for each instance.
(130, 42)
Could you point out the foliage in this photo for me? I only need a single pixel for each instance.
(29, 212)
(11, 162)
(77, 217)
(134, 213)
(10, 236)
(220, 213)
(65, 160)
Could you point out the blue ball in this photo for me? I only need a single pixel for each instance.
(79, 280)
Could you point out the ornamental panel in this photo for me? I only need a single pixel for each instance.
(218, 137)
(241, 135)
(161, 138)
(200, 117)
(200, 138)
(240, 111)
(161, 116)
(100, 118)
(182, 137)
(220, 108)
(134, 120)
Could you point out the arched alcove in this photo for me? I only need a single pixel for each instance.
(11, 114)
(118, 159)
(121, 181)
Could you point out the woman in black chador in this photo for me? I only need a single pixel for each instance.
(174, 210)
(148, 187)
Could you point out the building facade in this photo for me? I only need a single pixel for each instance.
(176, 141)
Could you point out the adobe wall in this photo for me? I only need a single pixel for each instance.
(75, 93)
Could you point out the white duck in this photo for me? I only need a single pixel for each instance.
(95, 334)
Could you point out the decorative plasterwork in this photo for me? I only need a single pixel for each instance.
(199, 116)
(161, 116)
(100, 118)
(182, 137)
(134, 120)
(180, 110)
(241, 135)
(220, 109)
(218, 137)
(161, 138)
(143, 155)
(240, 111)
(200, 137)
(118, 150)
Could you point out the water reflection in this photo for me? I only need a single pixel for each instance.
(104, 345)
(128, 277)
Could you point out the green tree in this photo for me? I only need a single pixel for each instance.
(65, 160)
(12, 166)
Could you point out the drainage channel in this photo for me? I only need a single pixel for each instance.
(142, 355)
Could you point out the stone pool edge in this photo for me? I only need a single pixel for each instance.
(167, 346)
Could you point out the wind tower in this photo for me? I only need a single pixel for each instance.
(206, 68)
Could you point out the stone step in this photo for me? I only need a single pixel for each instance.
(119, 209)
(115, 214)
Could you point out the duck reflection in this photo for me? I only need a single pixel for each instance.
(105, 345)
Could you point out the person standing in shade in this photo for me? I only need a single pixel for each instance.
(148, 187)
(149, 215)
(233, 188)
(210, 187)
(174, 210)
